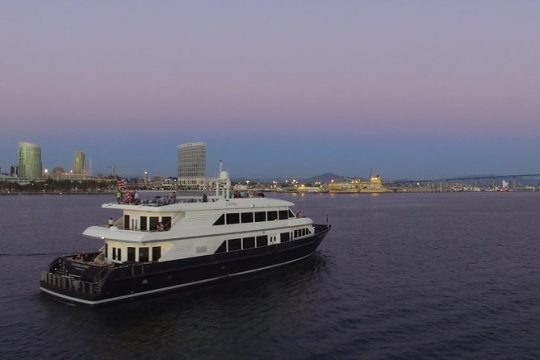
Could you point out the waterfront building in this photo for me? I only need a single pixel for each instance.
(373, 185)
(192, 166)
(78, 163)
(29, 161)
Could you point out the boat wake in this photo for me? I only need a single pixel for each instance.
(31, 254)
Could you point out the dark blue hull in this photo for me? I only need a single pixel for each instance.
(136, 280)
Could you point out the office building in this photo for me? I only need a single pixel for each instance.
(192, 166)
(78, 163)
(29, 161)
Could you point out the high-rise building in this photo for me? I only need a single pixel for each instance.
(78, 163)
(29, 161)
(192, 166)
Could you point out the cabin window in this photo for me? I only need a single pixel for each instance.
(247, 217)
(291, 215)
(166, 221)
(272, 215)
(295, 233)
(154, 220)
(234, 244)
(260, 216)
(144, 225)
(131, 254)
(308, 232)
(222, 248)
(126, 222)
(283, 215)
(106, 250)
(262, 240)
(156, 253)
(233, 218)
(285, 237)
(143, 254)
(248, 243)
(114, 253)
(304, 231)
(221, 220)
(119, 254)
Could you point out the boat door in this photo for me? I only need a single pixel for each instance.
(272, 239)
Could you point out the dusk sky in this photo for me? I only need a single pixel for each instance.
(411, 89)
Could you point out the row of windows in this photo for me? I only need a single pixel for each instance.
(245, 243)
(259, 241)
(257, 216)
(144, 253)
(148, 223)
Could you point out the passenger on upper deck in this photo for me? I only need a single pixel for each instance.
(160, 226)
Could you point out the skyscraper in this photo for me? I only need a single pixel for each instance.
(78, 163)
(192, 165)
(29, 161)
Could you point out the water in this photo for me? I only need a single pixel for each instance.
(400, 276)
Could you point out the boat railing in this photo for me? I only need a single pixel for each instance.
(69, 283)
(167, 200)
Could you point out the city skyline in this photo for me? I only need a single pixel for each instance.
(410, 90)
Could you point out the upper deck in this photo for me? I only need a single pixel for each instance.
(198, 203)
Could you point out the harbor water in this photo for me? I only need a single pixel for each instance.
(399, 276)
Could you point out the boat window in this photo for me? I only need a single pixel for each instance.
(119, 254)
(285, 237)
(156, 253)
(166, 221)
(291, 215)
(304, 232)
(234, 244)
(233, 218)
(143, 254)
(260, 216)
(106, 250)
(308, 232)
(221, 220)
(114, 253)
(222, 248)
(144, 225)
(262, 240)
(272, 215)
(131, 254)
(154, 220)
(247, 217)
(295, 234)
(126, 222)
(248, 243)
(283, 215)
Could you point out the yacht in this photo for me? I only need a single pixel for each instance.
(171, 243)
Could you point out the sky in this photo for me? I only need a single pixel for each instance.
(409, 89)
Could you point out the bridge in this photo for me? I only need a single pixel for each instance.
(465, 178)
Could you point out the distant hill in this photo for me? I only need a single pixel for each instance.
(325, 178)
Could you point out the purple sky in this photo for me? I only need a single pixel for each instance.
(415, 89)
